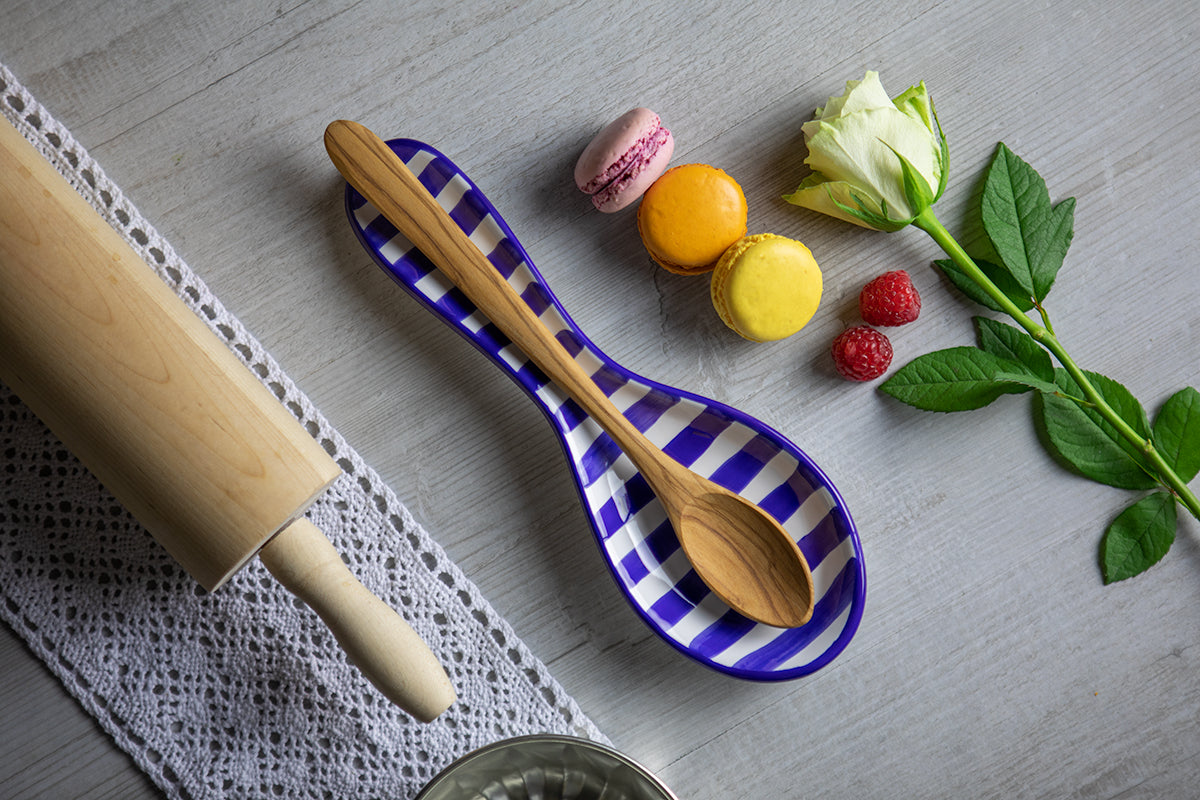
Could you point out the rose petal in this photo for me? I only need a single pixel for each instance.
(816, 196)
(852, 149)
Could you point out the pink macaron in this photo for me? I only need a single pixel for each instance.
(624, 159)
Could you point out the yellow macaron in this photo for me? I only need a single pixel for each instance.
(689, 216)
(766, 287)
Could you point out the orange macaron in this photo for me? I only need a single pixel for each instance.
(689, 216)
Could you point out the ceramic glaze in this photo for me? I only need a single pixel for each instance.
(713, 439)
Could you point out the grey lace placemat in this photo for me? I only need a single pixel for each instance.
(242, 692)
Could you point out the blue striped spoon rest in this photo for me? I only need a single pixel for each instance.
(720, 442)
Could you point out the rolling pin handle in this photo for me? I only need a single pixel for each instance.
(377, 639)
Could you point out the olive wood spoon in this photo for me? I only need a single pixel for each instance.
(742, 554)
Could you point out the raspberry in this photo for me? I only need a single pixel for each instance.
(890, 299)
(861, 353)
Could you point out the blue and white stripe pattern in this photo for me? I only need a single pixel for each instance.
(715, 440)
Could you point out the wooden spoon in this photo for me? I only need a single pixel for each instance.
(736, 548)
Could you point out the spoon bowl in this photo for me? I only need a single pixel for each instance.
(633, 533)
(719, 530)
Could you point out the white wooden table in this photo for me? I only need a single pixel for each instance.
(991, 662)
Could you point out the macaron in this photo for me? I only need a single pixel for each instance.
(690, 216)
(766, 287)
(624, 159)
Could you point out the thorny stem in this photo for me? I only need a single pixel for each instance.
(1044, 336)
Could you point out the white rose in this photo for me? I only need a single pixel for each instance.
(876, 162)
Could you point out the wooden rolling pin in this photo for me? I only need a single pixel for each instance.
(179, 430)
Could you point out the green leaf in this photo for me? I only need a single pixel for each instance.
(917, 190)
(956, 379)
(1005, 341)
(1029, 234)
(998, 275)
(945, 155)
(1138, 538)
(1177, 432)
(1027, 380)
(1058, 236)
(1086, 441)
(880, 222)
(1120, 399)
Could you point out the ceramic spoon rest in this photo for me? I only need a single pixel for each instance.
(720, 442)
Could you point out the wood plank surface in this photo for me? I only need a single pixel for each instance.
(991, 662)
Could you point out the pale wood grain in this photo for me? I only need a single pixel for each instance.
(375, 637)
(136, 385)
(991, 662)
(156, 406)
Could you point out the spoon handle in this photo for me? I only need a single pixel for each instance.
(740, 551)
(370, 166)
